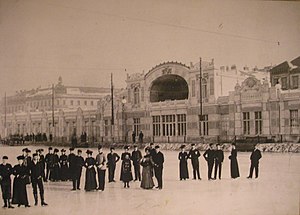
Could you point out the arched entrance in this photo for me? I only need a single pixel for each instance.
(169, 87)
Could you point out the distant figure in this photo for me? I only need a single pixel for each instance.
(101, 168)
(209, 157)
(74, 141)
(183, 167)
(136, 157)
(255, 157)
(147, 163)
(126, 171)
(194, 155)
(90, 174)
(158, 161)
(219, 158)
(141, 137)
(234, 167)
(6, 171)
(78, 168)
(112, 159)
(133, 136)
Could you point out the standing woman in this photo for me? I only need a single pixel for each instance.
(54, 174)
(126, 171)
(234, 167)
(90, 174)
(147, 163)
(19, 186)
(183, 165)
(64, 170)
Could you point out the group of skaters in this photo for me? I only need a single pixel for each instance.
(214, 157)
(53, 167)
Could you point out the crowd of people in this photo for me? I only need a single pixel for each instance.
(38, 169)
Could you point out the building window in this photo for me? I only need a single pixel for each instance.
(294, 118)
(71, 102)
(85, 102)
(284, 83)
(78, 102)
(224, 124)
(246, 123)
(136, 125)
(106, 127)
(142, 94)
(181, 124)
(203, 125)
(136, 95)
(275, 81)
(64, 102)
(295, 82)
(57, 102)
(168, 125)
(204, 88)
(156, 125)
(193, 88)
(211, 86)
(129, 97)
(258, 122)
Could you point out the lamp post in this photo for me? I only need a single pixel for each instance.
(124, 101)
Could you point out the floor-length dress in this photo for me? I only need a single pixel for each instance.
(234, 167)
(183, 166)
(64, 169)
(90, 174)
(147, 180)
(19, 185)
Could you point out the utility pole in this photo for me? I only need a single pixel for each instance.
(53, 125)
(5, 129)
(200, 97)
(112, 107)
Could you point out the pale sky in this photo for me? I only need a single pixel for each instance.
(85, 40)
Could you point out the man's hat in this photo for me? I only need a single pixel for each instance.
(99, 147)
(28, 150)
(126, 147)
(56, 150)
(182, 146)
(112, 148)
(20, 157)
(233, 144)
(151, 144)
(157, 147)
(50, 148)
(79, 150)
(62, 150)
(34, 154)
(135, 146)
(24, 150)
(71, 149)
(89, 152)
(41, 150)
(5, 157)
(193, 144)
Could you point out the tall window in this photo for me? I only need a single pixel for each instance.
(72, 103)
(92, 103)
(78, 102)
(211, 86)
(85, 102)
(136, 95)
(156, 125)
(295, 82)
(136, 125)
(294, 118)
(168, 124)
(224, 124)
(284, 85)
(106, 127)
(181, 124)
(193, 88)
(203, 125)
(258, 122)
(246, 123)
(204, 88)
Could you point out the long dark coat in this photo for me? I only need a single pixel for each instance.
(126, 171)
(64, 169)
(19, 185)
(147, 173)
(183, 165)
(234, 167)
(90, 174)
(54, 174)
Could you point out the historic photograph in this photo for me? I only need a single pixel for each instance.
(143, 107)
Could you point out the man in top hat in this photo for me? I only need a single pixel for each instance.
(5, 171)
(49, 162)
(209, 157)
(79, 163)
(112, 159)
(158, 160)
(219, 158)
(136, 157)
(194, 155)
(72, 167)
(101, 168)
(255, 157)
(37, 173)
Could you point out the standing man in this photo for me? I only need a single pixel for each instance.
(49, 162)
(158, 160)
(42, 160)
(209, 157)
(101, 168)
(141, 137)
(37, 174)
(255, 157)
(112, 159)
(194, 155)
(219, 158)
(5, 171)
(72, 167)
(136, 157)
(133, 136)
(79, 164)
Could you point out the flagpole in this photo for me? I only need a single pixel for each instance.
(112, 107)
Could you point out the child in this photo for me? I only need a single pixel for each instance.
(126, 171)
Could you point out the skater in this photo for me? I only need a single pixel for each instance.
(133, 137)
(255, 157)
(158, 161)
(209, 157)
(194, 155)
(141, 137)
(6, 171)
(112, 159)
(42, 160)
(19, 186)
(101, 168)
(234, 167)
(49, 163)
(147, 163)
(183, 167)
(126, 171)
(36, 174)
(90, 174)
(78, 169)
(54, 174)
(64, 169)
(136, 157)
(126, 152)
(219, 158)
(72, 167)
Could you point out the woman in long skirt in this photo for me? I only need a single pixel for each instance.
(64, 169)
(19, 186)
(126, 171)
(147, 163)
(90, 174)
(54, 174)
(234, 167)
(183, 165)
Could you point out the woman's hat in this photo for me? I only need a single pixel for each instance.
(182, 146)
(56, 150)
(5, 157)
(20, 157)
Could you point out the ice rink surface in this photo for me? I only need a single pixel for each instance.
(276, 191)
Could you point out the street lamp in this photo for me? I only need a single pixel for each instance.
(124, 101)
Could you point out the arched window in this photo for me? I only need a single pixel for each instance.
(136, 94)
